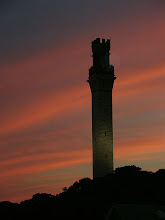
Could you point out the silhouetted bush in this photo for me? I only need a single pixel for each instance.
(127, 170)
(160, 172)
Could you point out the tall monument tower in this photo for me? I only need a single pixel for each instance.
(101, 79)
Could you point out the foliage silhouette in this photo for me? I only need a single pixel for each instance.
(91, 199)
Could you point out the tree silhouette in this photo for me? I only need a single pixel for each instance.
(127, 170)
(91, 199)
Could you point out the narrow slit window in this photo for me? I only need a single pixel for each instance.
(105, 133)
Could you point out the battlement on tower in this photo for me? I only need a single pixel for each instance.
(101, 61)
(101, 53)
(100, 47)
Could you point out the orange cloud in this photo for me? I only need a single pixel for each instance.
(138, 145)
(43, 162)
(42, 109)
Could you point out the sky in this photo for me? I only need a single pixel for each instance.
(45, 101)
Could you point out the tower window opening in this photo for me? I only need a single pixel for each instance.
(105, 133)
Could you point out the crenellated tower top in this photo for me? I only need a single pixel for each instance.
(101, 52)
(101, 69)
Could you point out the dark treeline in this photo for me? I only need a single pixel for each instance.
(91, 199)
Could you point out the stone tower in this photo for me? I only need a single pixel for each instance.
(101, 79)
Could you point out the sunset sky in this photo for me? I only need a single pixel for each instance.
(45, 101)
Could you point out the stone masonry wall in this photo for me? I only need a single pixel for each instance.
(102, 132)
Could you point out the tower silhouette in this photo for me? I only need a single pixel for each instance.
(101, 79)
